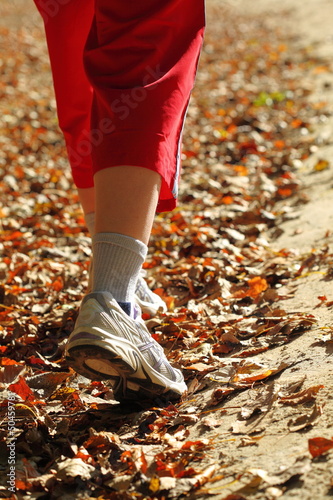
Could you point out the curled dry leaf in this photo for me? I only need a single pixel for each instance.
(305, 420)
(301, 466)
(101, 442)
(259, 400)
(70, 468)
(242, 380)
(302, 396)
(219, 394)
(248, 427)
(250, 440)
(204, 476)
(47, 383)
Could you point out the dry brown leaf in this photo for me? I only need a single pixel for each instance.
(248, 427)
(70, 468)
(9, 374)
(302, 396)
(219, 394)
(305, 420)
(241, 380)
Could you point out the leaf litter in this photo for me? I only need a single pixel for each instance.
(249, 129)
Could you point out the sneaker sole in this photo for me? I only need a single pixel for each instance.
(117, 359)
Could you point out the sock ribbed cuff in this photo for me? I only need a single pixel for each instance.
(120, 240)
(117, 263)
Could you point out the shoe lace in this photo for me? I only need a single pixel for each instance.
(142, 290)
(154, 352)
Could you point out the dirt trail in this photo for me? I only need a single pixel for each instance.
(309, 230)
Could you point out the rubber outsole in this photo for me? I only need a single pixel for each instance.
(125, 385)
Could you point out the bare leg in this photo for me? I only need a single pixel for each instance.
(87, 199)
(110, 340)
(126, 200)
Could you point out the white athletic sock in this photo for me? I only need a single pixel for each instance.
(117, 263)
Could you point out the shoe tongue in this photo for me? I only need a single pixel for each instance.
(132, 310)
(127, 308)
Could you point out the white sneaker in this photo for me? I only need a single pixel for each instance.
(108, 344)
(148, 301)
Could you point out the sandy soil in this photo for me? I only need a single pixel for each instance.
(311, 23)
(280, 451)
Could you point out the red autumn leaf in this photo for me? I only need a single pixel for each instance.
(194, 445)
(318, 446)
(13, 236)
(257, 285)
(190, 154)
(232, 129)
(219, 394)
(285, 192)
(252, 351)
(221, 349)
(21, 485)
(164, 296)
(249, 147)
(279, 144)
(8, 361)
(57, 284)
(296, 123)
(35, 361)
(83, 454)
(241, 170)
(187, 473)
(35, 320)
(4, 314)
(22, 389)
(44, 243)
(227, 200)
(255, 378)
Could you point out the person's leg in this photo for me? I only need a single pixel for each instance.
(131, 195)
(87, 200)
(66, 28)
(141, 59)
(141, 93)
(112, 182)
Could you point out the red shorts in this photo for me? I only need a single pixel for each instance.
(123, 73)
